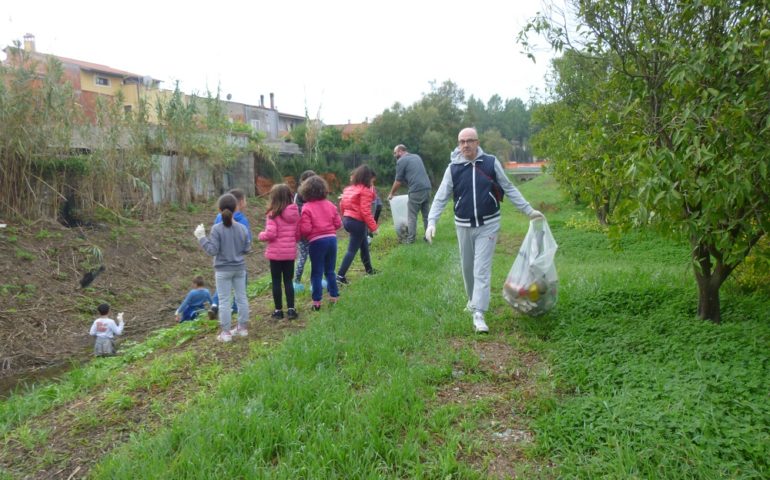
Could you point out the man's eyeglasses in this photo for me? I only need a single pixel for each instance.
(468, 141)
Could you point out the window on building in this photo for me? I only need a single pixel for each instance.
(255, 124)
(102, 81)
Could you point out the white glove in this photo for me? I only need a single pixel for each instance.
(120, 317)
(430, 232)
(536, 214)
(200, 231)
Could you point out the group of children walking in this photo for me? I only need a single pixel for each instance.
(297, 227)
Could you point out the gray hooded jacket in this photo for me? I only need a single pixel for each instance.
(475, 182)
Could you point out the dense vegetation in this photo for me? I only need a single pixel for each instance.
(51, 154)
(660, 118)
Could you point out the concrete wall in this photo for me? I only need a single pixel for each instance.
(204, 182)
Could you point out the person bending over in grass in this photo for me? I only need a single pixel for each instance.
(104, 329)
(194, 302)
(228, 243)
(476, 181)
(281, 234)
(319, 223)
(356, 206)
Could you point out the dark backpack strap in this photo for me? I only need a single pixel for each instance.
(497, 190)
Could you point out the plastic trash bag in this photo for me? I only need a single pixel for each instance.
(399, 210)
(532, 285)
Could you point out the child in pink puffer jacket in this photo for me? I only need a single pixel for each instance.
(281, 234)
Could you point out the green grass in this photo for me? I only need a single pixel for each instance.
(38, 399)
(633, 385)
(646, 390)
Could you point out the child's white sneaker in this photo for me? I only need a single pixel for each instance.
(239, 331)
(224, 337)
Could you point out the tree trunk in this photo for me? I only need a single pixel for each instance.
(710, 272)
(708, 298)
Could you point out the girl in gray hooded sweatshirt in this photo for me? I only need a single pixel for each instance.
(228, 242)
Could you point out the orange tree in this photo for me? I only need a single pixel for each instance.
(692, 78)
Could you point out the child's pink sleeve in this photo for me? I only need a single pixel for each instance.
(271, 231)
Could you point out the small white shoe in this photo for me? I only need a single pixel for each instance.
(224, 337)
(479, 325)
(239, 331)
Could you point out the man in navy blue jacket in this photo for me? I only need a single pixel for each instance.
(476, 182)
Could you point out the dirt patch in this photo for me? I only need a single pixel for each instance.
(500, 379)
(45, 312)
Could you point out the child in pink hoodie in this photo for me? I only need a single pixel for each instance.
(281, 234)
(319, 223)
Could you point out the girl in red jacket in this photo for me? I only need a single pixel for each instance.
(319, 223)
(356, 206)
(281, 234)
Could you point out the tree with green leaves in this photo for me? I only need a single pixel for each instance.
(582, 132)
(693, 80)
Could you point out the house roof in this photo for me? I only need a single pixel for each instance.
(350, 128)
(95, 67)
(88, 66)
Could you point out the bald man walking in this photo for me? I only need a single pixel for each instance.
(476, 182)
(411, 171)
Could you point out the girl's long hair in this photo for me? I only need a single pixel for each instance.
(280, 198)
(227, 205)
(362, 176)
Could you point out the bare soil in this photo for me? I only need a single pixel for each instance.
(45, 313)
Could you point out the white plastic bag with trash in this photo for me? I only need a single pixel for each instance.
(532, 284)
(399, 209)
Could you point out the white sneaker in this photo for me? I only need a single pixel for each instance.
(479, 325)
(240, 331)
(224, 337)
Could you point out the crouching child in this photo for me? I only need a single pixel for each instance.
(104, 329)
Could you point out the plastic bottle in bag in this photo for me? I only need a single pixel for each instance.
(532, 284)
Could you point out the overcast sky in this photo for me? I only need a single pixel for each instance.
(347, 59)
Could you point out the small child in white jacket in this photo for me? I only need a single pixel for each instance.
(105, 329)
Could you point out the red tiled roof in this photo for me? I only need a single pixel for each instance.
(96, 67)
(85, 65)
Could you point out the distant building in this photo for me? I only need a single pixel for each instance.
(89, 80)
(352, 130)
(275, 125)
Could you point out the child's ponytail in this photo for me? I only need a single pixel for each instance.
(227, 205)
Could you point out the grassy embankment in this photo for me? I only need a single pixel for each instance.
(634, 385)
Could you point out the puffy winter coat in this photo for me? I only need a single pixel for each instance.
(356, 203)
(281, 234)
(319, 219)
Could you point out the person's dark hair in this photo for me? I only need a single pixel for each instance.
(238, 194)
(313, 188)
(362, 175)
(280, 198)
(198, 281)
(103, 309)
(227, 205)
(305, 175)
